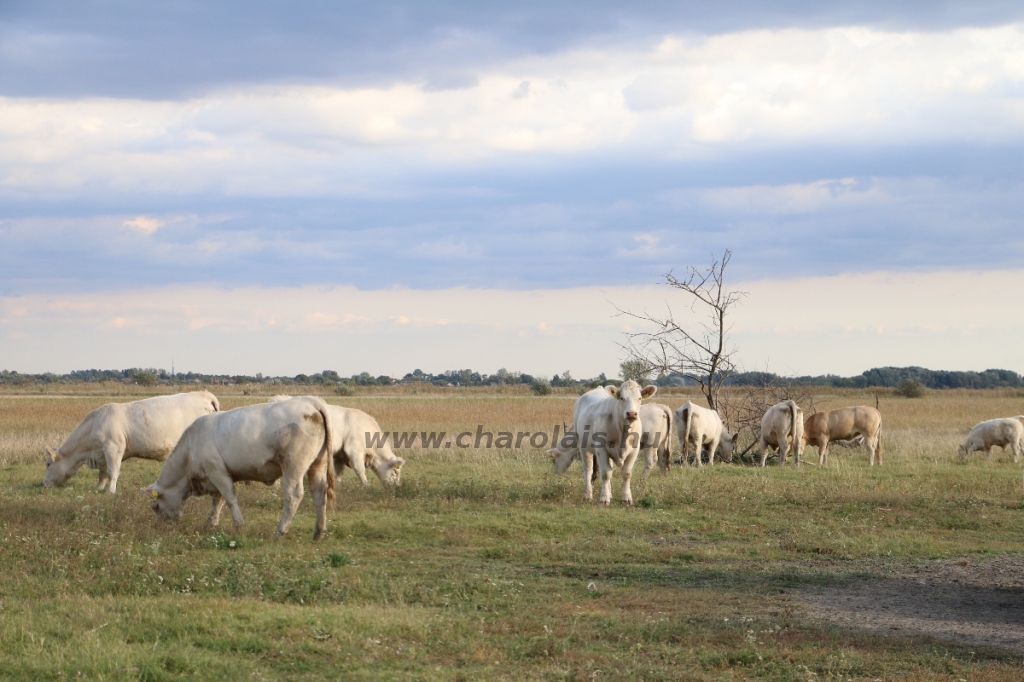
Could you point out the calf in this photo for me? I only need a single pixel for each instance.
(782, 427)
(112, 433)
(702, 426)
(845, 424)
(285, 440)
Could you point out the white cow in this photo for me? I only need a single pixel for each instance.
(115, 432)
(359, 443)
(607, 420)
(655, 439)
(656, 436)
(1002, 432)
(782, 427)
(702, 426)
(287, 439)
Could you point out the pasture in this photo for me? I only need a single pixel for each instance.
(484, 565)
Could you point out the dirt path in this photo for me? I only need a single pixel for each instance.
(969, 602)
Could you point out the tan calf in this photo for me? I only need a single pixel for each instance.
(845, 423)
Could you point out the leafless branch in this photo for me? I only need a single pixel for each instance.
(701, 354)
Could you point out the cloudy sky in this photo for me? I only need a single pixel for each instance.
(289, 187)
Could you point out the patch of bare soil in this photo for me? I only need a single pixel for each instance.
(969, 602)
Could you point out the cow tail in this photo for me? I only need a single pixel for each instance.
(798, 425)
(686, 437)
(328, 450)
(668, 436)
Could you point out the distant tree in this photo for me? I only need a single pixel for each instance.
(909, 388)
(636, 370)
(541, 387)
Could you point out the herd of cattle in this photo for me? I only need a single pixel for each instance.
(206, 451)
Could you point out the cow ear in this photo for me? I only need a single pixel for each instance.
(397, 463)
(612, 391)
(649, 391)
(50, 459)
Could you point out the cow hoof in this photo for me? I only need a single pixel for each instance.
(628, 503)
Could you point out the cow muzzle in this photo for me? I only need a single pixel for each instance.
(631, 416)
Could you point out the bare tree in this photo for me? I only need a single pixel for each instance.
(701, 353)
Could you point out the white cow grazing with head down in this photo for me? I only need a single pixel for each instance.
(607, 422)
(702, 426)
(360, 444)
(782, 427)
(655, 438)
(115, 432)
(286, 439)
(1005, 433)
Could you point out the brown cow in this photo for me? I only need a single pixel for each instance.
(845, 423)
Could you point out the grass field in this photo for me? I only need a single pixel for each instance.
(486, 565)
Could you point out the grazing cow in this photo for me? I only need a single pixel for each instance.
(702, 426)
(782, 427)
(1002, 432)
(656, 436)
(607, 421)
(845, 424)
(359, 443)
(115, 432)
(286, 439)
(655, 439)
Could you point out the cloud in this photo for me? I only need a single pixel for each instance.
(144, 224)
(159, 51)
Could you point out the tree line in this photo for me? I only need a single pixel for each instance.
(887, 377)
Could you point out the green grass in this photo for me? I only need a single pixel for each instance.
(488, 567)
(485, 565)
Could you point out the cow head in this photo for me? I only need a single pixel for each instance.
(388, 471)
(631, 395)
(60, 469)
(564, 452)
(728, 444)
(168, 503)
(961, 452)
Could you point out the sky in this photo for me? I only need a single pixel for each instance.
(277, 187)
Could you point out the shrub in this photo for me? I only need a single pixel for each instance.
(541, 387)
(344, 389)
(909, 388)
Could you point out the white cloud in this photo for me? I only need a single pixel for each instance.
(144, 224)
(840, 86)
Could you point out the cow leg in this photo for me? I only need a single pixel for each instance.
(213, 520)
(783, 451)
(601, 455)
(291, 486)
(358, 464)
(225, 485)
(316, 477)
(823, 452)
(112, 454)
(627, 475)
(764, 452)
(103, 479)
(587, 460)
(649, 455)
(711, 451)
